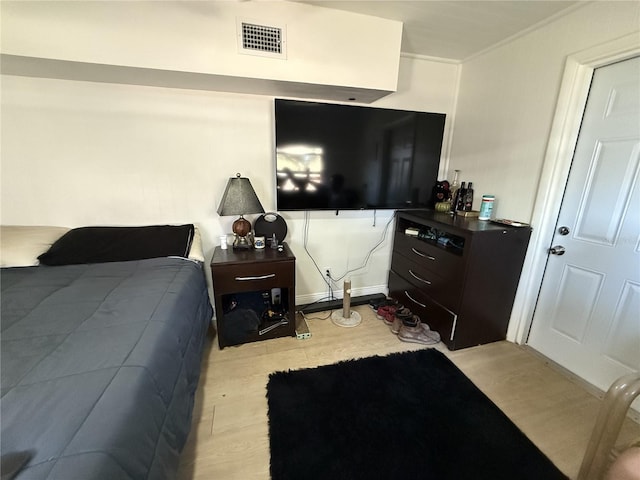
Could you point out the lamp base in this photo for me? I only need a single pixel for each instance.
(242, 231)
(242, 243)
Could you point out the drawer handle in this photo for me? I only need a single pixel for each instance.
(414, 300)
(419, 278)
(259, 277)
(453, 327)
(423, 255)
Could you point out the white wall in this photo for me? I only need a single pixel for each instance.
(163, 38)
(507, 100)
(506, 105)
(80, 153)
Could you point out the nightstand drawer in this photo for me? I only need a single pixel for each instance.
(252, 276)
(439, 260)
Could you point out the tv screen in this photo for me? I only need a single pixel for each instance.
(345, 157)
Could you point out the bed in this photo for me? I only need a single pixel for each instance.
(101, 359)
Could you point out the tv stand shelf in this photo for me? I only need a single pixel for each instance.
(458, 274)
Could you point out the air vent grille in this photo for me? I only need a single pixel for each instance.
(262, 38)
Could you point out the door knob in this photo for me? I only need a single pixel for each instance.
(557, 250)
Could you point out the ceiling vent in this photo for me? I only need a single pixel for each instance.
(261, 40)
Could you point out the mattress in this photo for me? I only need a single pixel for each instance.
(100, 364)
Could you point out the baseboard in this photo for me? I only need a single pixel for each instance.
(633, 414)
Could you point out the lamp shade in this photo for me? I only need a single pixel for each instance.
(239, 198)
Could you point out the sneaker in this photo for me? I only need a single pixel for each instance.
(400, 315)
(382, 311)
(417, 333)
(385, 302)
(397, 324)
(404, 314)
(386, 313)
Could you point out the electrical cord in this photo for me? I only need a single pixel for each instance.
(305, 241)
(304, 315)
(331, 280)
(368, 256)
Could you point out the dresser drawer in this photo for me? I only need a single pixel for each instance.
(437, 317)
(434, 258)
(250, 277)
(445, 291)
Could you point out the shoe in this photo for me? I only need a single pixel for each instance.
(386, 313)
(400, 315)
(397, 324)
(403, 314)
(399, 312)
(385, 302)
(417, 333)
(384, 310)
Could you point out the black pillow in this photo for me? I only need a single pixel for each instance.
(119, 244)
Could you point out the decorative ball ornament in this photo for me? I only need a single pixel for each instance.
(241, 227)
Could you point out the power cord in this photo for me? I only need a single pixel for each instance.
(368, 256)
(327, 277)
(305, 241)
(304, 315)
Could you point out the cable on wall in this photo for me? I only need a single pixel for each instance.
(304, 242)
(368, 256)
(328, 282)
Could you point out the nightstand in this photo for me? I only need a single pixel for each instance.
(254, 294)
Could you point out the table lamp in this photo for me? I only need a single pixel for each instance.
(240, 199)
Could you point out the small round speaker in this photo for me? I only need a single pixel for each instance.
(269, 223)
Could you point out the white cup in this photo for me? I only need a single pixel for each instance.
(259, 242)
(223, 242)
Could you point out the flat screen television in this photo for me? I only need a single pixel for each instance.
(345, 157)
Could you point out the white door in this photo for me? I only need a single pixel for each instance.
(587, 317)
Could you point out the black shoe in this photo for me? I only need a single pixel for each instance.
(405, 316)
(385, 302)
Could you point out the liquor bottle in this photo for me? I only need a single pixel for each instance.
(468, 198)
(453, 190)
(460, 197)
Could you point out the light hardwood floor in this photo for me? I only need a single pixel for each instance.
(229, 436)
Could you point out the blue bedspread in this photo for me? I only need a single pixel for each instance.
(100, 364)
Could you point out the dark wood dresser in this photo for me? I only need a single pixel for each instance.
(459, 275)
(254, 294)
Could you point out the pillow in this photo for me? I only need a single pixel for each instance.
(20, 245)
(119, 244)
(195, 252)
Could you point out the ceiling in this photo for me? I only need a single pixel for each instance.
(454, 29)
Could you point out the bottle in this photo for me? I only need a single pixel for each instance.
(468, 198)
(460, 197)
(453, 190)
(486, 207)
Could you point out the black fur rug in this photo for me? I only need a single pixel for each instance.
(405, 416)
